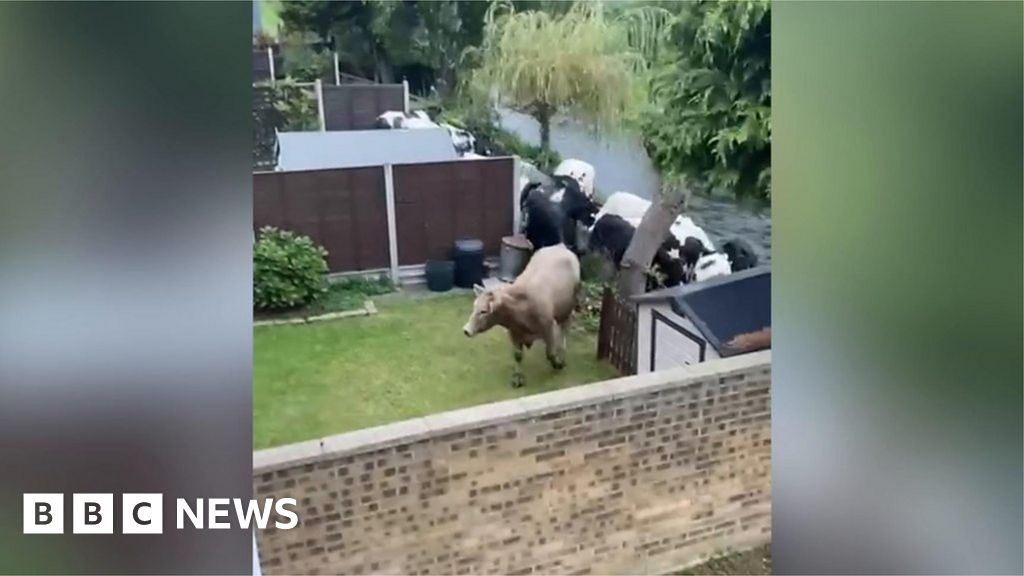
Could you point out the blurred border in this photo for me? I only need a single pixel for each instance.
(125, 274)
(897, 389)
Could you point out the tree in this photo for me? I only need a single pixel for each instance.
(667, 204)
(712, 121)
(346, 27)
(710, 126)
(580, 62)
(375, 38)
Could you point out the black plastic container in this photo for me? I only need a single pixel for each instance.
(469, 262)
(440, 275)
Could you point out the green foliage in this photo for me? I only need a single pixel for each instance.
(270, 18)
(588, 306)
(374, 37)
(296, 106)
(284, 107)
(289, 270)
(711, 119)
(302, 62)
(582, 63)
(262, 40)
(593, 267)
(350, 294)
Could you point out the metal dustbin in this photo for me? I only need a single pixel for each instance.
(515, 253)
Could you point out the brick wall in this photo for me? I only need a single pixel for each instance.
(645, 474)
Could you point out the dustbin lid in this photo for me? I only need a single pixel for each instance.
(469, 246)
(516, 242)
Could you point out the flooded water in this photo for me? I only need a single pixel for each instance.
(622, 165)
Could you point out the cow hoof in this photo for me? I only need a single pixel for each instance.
(558, 364)
(518, 381)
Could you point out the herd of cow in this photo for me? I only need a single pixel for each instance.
(564, 213)
(562, 221)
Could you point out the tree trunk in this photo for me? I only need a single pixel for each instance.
(384, 73)
(653, 229)
(542, 112)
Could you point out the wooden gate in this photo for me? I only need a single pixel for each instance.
(616, 339)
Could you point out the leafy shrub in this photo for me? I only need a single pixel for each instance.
(304, 58)
(594, 267)
(588, 305)
(289, 270)
(261, 40)
(350, 293)
(297, 107)
(365, 286)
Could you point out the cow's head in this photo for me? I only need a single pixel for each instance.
(692, 250)
(483, 316)
(741, 254)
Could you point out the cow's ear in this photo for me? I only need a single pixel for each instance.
(478, 289)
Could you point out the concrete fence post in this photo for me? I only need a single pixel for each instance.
(389, 195)
(337, 71)
(270, 60)
(320, 104)
(517, 216)
(405, 87)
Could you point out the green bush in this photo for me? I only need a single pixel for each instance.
(297, 107)
(588, 305)
(289, 270)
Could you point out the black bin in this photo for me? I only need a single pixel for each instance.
(440, 275)
(469, 262)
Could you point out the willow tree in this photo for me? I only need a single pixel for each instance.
(581, 62)
(710, 123)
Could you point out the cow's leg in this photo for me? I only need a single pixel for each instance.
(518, 379)
(555, 346)
(565, 327)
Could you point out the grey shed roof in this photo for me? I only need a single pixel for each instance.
(725, 310)
(357, 148)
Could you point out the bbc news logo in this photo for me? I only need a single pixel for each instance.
(143, 513)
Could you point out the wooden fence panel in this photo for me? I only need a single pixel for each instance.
(440, 202)
(356, 106)
(616, 339)
(344, 210)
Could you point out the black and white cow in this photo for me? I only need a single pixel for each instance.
(737, 254)
(611, 236)
(552, 213)
(693, 247)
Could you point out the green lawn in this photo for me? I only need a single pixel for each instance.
(409, 360)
